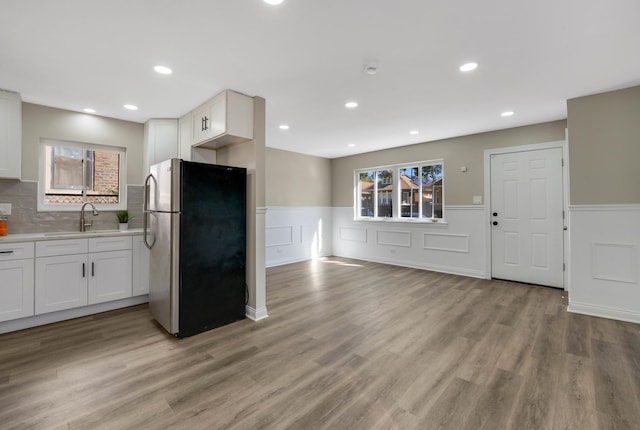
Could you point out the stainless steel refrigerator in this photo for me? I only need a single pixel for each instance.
(195, 227)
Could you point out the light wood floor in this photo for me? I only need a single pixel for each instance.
(348, 345)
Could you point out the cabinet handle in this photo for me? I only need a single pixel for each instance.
(7, 252)
(202, 124)
(93, 269)
(206, 125)
(83, 274)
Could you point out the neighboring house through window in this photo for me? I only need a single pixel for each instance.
(417, 194)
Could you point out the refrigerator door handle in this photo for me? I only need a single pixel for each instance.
(145, 213)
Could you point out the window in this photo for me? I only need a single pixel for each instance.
(417, 194)
(72, 173)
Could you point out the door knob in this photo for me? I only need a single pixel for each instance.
(495, 223)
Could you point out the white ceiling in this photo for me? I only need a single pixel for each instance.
(306, 58)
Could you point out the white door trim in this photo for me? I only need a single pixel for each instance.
(562, 144)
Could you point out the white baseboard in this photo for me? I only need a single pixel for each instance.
(604, 312)
(48, 318)
(255, 315)
(432, 267)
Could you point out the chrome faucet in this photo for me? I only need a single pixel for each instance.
(83, 224)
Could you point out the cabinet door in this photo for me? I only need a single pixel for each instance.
(160, 141)
(10, 135)
(109, 276)
(140, 267)
(184, 137)
(61, 283)
(201, 125)
(16, 289)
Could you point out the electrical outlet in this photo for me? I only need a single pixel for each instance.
(5, 208)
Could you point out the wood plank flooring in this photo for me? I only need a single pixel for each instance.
(348, 345)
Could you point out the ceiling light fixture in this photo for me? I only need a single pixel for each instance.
(351, 145)
(131, 107)
(351, 105)
(89, 110)
(163, 70)
(467, 67)
(414, 132)
(371, 68)
(273, 2)
(507, 113)
(284, 127)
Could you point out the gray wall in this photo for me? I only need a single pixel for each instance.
(47, 122)
(295, 179)
(604, 147)
(456, 152)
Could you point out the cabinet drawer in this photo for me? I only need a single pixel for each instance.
(16, 251)
(48, 248)
(114, 243)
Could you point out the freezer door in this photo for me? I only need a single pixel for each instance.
(164, 272)
(164, 187)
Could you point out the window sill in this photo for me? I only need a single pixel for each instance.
(440, 223)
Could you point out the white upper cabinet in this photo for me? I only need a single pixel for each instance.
(160, 141)
(225, 119)
(184, 137)
(10, 135)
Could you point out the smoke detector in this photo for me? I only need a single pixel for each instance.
(371, 68)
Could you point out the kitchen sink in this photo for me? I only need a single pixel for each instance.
(79, 233)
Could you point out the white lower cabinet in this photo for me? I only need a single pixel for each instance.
(61, 282)
(109, 276)
(79, 276)
(140, 267)
(16, 281)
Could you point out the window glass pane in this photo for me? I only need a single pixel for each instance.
(366, 186)
(410, 192)
(103, 176)
(385, 193)
(66, 169)
(432, 183)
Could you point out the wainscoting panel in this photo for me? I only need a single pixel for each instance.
(455, 247)
(604, 261)
(393, 238)
(279, 236)
(297, 233)
(614, 262)
(446, 242)
(353, 234)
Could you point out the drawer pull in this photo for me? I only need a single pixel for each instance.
(83, 275)
(7, 252)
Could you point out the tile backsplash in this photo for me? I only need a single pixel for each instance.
(25, 218)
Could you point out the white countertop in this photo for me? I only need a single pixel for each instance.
(55, 235)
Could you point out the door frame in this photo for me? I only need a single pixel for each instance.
(563, 145)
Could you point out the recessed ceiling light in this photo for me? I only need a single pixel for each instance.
(89, 110)
(351, 105)
(274, 2)
(467, 67)
(163, 70)
(351, 145)
(507, 113)
(414, 132)
(131, 107)
(284, 127)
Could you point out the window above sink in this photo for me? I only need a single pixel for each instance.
(71, 173)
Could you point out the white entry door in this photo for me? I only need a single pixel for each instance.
(527, 217)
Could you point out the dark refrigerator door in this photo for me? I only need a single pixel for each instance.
(212, 246)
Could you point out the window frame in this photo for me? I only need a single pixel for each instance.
(43, 206)
(397, 194)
